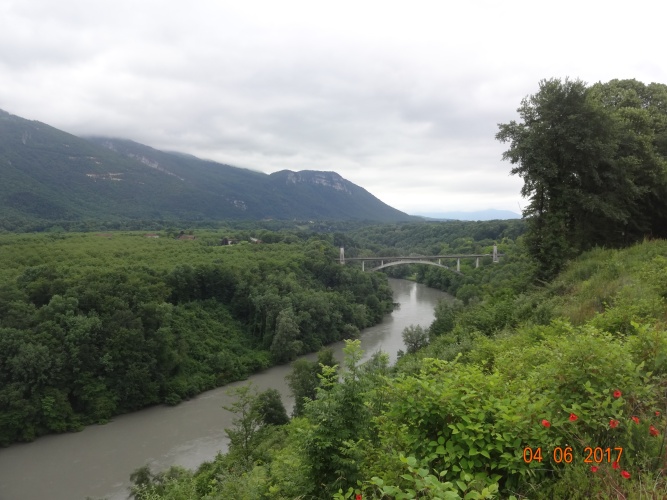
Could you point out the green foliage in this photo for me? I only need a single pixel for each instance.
(594, 165)
(173, 484)
(243, 437)
(93, 326)
(284, 346)
(423, 484)
(254, 414)
(270, 408)
(415, 338)
(304, 379)
(454, 419)
(445, 317)
(341, 422)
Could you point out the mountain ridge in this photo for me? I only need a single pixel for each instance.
(51, 175)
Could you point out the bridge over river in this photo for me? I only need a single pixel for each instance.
(431, 260)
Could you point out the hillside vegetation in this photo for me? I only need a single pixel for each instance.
(562, 397)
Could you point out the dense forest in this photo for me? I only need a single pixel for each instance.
(92, 325)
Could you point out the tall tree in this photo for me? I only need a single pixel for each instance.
(247, 424)
(304, 379)
(285, 345)
(564, 149)
(641, 114)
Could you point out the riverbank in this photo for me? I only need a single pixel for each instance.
(98, 461)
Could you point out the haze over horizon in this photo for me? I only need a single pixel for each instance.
(403, 101)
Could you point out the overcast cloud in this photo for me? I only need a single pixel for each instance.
(402, 98)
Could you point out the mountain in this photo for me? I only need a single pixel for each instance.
(489, 214)
(49, 175)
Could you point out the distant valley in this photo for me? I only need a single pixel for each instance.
(489, 214)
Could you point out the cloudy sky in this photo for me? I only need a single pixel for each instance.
(402, 98)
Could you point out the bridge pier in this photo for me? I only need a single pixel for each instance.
(363, 267)
(342, 255)
(458, 265)
(477, 263)
(495, 254)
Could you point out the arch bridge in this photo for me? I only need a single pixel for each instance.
(431, 260)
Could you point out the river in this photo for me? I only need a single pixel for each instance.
(97, 462)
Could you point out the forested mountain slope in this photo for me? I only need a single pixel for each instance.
(50, 176)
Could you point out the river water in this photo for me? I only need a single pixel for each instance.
(97, 462)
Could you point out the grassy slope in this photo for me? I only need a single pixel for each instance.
(598, 327)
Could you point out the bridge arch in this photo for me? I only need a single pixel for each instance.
(407, 261)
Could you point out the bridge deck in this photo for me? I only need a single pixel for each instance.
(455, 256)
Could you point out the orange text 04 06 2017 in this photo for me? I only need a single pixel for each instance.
(566, 455)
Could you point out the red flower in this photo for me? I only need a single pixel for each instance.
(625, 474)
(613, 423)
(573, 417)
(358, 497)
(653, 431)
(635, 420)
(594, 469)
(657, 413)
(546, 423)
(617, 393)
(614, 465)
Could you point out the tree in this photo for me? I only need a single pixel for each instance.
(641, 112)
(593, 164)
(341, 420)
(270, 408)
(304, 380)
(285, 345)
(245, 434)
(414, 338)
(563, 149)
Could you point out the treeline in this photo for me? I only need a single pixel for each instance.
(448, 238)
(96, 325)
(13, 221)
(430, 238)
(594, 163)
(539, 406)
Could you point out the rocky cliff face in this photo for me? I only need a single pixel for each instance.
(316, 178)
